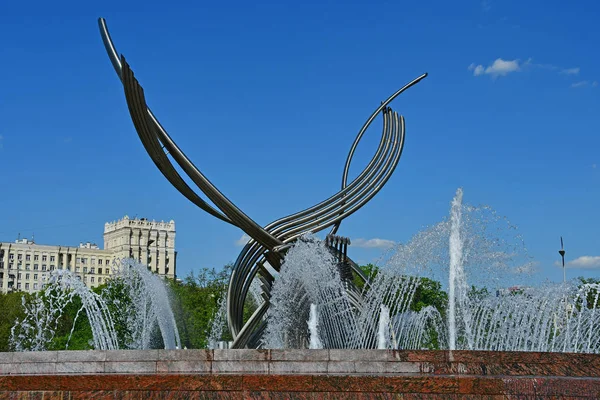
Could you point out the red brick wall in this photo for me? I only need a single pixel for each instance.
(312, 374)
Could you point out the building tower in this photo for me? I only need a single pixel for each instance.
(150, 242)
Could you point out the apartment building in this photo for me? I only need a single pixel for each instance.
(25, 265)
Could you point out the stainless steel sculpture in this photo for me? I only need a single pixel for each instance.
(269, 244)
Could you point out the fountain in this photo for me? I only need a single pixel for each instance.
(551, 318)
(145, 307)
(322, 338)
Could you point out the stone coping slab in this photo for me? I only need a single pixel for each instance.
(293, 361)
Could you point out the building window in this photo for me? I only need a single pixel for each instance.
(19, 275)
(92, 270)
(35, 276)
(76, 269)
(43, 267)
(11, 256)
(26, 276)
(92, 279)
(85, 270)
(52, 258)
(35, 285)
(93, 261)
(20, 257)
(52, 268)
(100, 279)
(36, 257)
(99, 271)
(28, 257)
(84, 260)
(44, 258)
(35, 267)
(27, 266)
(19, 285)
(100, 262)
(78, 260)
(27, 286)
(10, 265)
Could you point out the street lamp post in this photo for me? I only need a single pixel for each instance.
(562, 254)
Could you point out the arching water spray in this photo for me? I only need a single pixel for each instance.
(36, 331)
(139, 297)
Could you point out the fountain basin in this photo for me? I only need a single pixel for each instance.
(295, 374)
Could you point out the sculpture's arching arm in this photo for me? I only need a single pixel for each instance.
(158, 156)
(231, 211)
(240, 219)
(364, 129)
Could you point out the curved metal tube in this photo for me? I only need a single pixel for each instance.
(222, 202)
(163, 163)
(364, 129)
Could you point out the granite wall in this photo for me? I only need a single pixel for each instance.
(297, 374)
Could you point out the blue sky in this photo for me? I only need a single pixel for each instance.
(266, 99)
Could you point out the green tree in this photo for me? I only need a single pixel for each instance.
(430, 293)
(196, 302)
(11, 310)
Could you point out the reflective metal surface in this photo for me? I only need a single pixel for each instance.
(262, 256)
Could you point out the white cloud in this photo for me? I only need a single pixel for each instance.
(243, 240)
(565, 71)
(498, 68)
(583, 262)
(580, 84)
(477, 69)
(502, 67)
(570, 71)
(375, 243)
